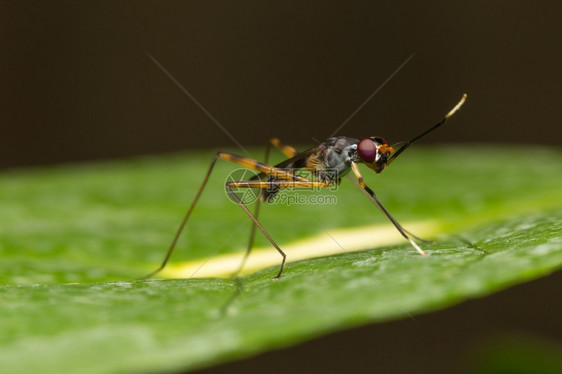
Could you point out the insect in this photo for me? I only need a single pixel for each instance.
(328, 163)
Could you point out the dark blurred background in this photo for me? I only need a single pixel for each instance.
(76, 85)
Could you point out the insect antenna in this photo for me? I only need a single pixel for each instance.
(409, 142)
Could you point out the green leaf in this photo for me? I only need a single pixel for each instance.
(495, 214)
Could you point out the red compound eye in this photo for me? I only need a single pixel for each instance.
(367, 150)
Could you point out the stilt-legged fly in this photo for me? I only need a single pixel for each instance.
(328, 162)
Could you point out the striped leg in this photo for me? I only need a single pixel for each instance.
(262, 185)
(374, 197)
(362, 189)
(409, 143)
(287, 151)
(277, 173)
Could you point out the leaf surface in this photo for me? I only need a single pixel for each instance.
(73, 237)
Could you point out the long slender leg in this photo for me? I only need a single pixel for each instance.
(286, 149)
(263, 230)
(253, 228)
(242, 161)
(289, 152)
(356, 184)
(260, 184)
(400, 229)
(273, 171)
(405, 146)
(184, 221)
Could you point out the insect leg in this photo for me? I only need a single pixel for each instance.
(286, 149)
(242, 161)
(289, 152)
(184, 221)
(268, 184)
(356, 184)
(408, 143)
(400, 229)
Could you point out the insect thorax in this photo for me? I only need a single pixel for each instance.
(336, 155)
